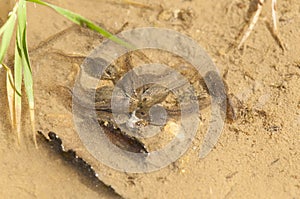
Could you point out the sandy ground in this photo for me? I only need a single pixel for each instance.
(256, 156)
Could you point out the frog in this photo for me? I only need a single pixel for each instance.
(146, 102)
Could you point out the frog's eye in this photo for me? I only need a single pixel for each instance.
(143, 113)
(145, 99)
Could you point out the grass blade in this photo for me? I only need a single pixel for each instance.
(7, 31)
(23, 51)
(12, 17)
(18, 86)
(80, 20)
(10, 95)
(6, 25)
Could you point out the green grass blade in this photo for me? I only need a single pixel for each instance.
(22, 48)
(78, 19)
(7, 24)
(7, 30)
(12, 17)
